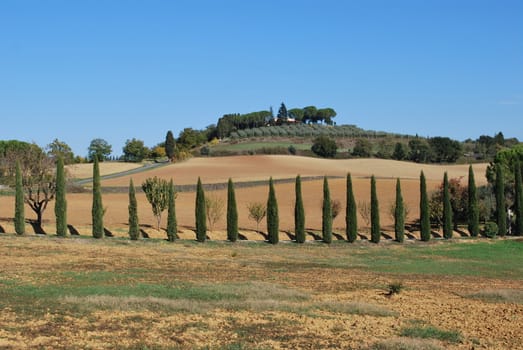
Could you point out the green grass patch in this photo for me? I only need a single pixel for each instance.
(254, 146)
(431, 332)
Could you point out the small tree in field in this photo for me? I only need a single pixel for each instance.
(19, 202)
(157, 193)
(473, 207)
(399, 215)
(60, 205)
(134, 230)
(214, 210)
(447, 209)
(172, 226)
(424, 210)
(327, 213)
(257, 212)
(200, 213)
(375, 232)
(97, 211)
(351, 219)
(364, 210)
(299, 213)
(273, 220)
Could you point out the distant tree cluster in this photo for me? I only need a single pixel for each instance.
(310, 115)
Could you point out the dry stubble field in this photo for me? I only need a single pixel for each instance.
(81, 293)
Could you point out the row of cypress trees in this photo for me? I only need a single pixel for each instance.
(299, 212)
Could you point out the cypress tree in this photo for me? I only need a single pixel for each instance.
(424, 210)
(501, 214)
(200, 213)
(326, 213)
(375, 233)
(169, 145)
(60, 204)
(134, 230)
(19, 202)
(232, 213)
(273, 220)
(351, 218)
(399, 215)
(473, 208)
(299, 213)
(518, 200)
(447, 209)
(97, 211)
(172, 225)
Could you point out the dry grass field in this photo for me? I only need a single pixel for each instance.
(81, 293)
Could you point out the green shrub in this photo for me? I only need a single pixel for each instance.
(491, 229)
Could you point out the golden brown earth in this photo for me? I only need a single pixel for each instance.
(252, 168)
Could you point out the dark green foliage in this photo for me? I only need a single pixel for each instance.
(491, 229)
(273, 220)
(375, 232)
(399, 215)
(326, 228)
(99, 149)
(420, 151)
(473, 207)
(19, 201)
(424, 210)
(97, 211)
(444, 149)
(299, 213)
(362, 149)
(324, 146)
(135, 150)
(282, 112)
(351, 218)
(200, 213)
(134, 230)
(172, 225)
(501, 213)
(60, 205)
(518, 200)
(169, 145)
(447, 209)
(400, 152)
(232, 213)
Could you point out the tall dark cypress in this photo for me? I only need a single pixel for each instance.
(518, 200)
(473, 207)
(399, 215)
(232, 213)
(447, 209)
(299, 213)
(375, 233)
(134, 230)
(351, 218)
(19, 202)
(97, 211)
(326, 228)
(424, 210)
(60, 204)
(200, 213)
(169, 145)
(501, 213)
(273, 220)
(172, 225)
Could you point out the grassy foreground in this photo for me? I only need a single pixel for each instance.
(113, 293)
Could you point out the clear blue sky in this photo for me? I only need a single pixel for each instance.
(79, 70)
